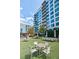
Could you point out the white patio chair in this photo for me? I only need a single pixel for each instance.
(47, 51)
(35, 43)
(33, 50)
(46, 44)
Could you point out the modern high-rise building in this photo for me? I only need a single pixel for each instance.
(44, 14)
(50, 14)
(37, 20)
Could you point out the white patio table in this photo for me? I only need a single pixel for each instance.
(40, 47)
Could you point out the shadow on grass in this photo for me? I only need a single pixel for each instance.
(35, 54)
(28, 56)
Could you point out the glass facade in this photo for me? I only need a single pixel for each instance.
(52, 25)
(57, 9)
(57, 19)
(57, 14)
(52, 16)
(37, 20)
(57, 24)
(50, 13)
(56, 2)
(52, 21)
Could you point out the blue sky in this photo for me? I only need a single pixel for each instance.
(28, 8)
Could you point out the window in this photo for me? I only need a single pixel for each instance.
(47, 9)
(57, 9)
(47, 22)
(51, 5)
(47, 12)
(57, 24)
(57, 14)
(47, 19)
(52, 21)
(57, 19)
(47, 2)
(47, 15)
(56, 5)
(51, 12)
(51, 9)
(52, 25)
(51, 1)
(56, 1)
(52, 16)
(46, 5)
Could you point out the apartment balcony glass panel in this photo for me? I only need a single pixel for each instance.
(51, 5)
(57, 24)
(47, 15)
(56, 5)
(47, 2)
(47, 5)
(52, 25)
(47, 12)
(51, 9)
(47, 19)
(56, 1)
(47, 22)
(47, 8)
(51, 13)
(57, 19)
(51, 1)
(52, 20)
(57, 14)
(52, 16)
(57, 9)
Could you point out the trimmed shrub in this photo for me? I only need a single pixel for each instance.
(50, 33)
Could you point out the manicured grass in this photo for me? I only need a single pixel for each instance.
(25, 50)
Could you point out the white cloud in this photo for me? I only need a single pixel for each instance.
(28, 18)
(22, 19)
(27, 21)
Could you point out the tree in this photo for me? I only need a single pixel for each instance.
(57, 32)
(50, 33)
(31, 31)
(42, 30)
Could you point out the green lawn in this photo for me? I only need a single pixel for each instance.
(24, 49)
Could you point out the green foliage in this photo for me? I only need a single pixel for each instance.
(31, 31)
(50, 33)
(57, 32)
(41, 29)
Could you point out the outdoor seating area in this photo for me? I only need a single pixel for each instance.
(39, 49)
